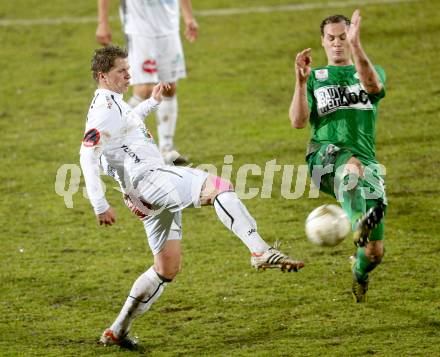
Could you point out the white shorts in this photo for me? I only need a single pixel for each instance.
(169, 190)
(154, 59)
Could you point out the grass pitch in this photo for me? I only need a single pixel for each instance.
(63, 279)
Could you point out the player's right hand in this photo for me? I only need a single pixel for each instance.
(103, 33)
(158, 90)
(107, 218)
(191, 30)
(303, 66)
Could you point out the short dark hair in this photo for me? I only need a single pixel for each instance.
(104, 59)
(334, 19)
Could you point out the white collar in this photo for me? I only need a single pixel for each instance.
(116, 95)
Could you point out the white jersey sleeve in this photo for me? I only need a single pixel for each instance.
(99, 130)
(146, 107)
(90, 168)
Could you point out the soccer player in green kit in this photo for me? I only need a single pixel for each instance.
(340, 101)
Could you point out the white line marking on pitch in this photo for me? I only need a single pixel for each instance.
(211, 12)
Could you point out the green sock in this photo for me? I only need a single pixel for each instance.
(363, 265)
(378, 232)
(354, 205)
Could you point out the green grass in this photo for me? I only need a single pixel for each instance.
(63, 279)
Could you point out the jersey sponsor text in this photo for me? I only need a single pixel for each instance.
(332, 98)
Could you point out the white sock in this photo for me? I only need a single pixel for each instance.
(166, 118)
(236, 217)
(134, 101)
(145, 291)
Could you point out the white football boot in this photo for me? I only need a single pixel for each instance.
(274, 259)
(108, 338)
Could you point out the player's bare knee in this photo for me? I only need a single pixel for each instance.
(375, 258)
(171, 90)
(214, 186)
(167, 261)
(375, 253)
(168, 272)
(143, 91)
(354, 167)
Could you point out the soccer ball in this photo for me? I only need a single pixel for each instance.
(327, 225)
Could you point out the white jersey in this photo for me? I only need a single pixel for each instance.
(150, 18)
(116, 133)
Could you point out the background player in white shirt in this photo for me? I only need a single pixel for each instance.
(155, 54)
(116, 137)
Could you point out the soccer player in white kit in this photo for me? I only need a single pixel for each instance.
(155, 54)
(116, 138)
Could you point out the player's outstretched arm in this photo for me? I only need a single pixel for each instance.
(151, 104)
(367, 74)
(191, 26)
(103, 31)
(299, 109)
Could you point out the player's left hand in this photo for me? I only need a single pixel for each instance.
(107, 218)
(353, 31)
(191, 30)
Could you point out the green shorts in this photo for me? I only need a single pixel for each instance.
(326, 167)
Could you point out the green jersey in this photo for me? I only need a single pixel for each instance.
(341, 111)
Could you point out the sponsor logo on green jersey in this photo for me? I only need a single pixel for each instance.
(334, 97)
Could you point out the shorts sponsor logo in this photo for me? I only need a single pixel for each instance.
(332, 98)
(91, 138)
(178, 59)
(149, 66)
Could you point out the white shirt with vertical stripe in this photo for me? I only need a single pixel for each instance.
(150, 18)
